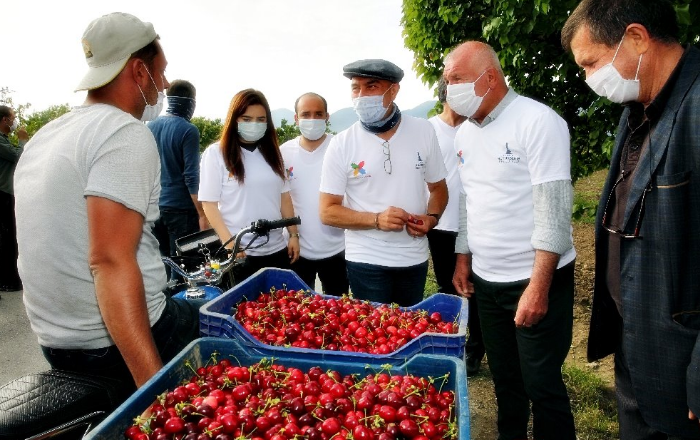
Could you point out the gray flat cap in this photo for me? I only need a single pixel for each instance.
(380, 69)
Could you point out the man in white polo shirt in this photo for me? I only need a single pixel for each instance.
(322, 247)
(515, 235)
(373, 185)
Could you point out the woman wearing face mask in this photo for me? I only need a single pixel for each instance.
(242, 180)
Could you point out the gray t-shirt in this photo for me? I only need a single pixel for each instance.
(95, 150)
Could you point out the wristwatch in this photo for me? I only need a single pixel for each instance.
(437, 216)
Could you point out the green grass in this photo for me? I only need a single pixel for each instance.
(584, 209)
(593, 404)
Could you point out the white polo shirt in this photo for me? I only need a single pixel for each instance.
(354, 167)
(526, 145)
(258, 197)
(446, 138)
(303, 170)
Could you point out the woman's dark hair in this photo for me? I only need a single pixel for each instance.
(231, 144)
(607, 20)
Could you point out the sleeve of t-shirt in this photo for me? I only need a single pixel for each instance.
(210, 177)
(435, 167)
(333, 174)
(190, 153)
(125, 168)
(548, 148)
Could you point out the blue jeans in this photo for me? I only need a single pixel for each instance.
(177, 326)
(401, 285)
(174, 224)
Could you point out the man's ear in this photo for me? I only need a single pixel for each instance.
(138, 71)
(296, 119)
(639, 35)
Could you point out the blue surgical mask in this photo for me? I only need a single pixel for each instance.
(252, 131)
(370, 108)
(150, 112)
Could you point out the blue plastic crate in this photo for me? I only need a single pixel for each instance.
(216, 320)
(199, 351)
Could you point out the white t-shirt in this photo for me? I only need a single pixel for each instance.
(526, 145)
(259, 197)
(354, 168)
(96, 150)
(446, 138)
(303, 170)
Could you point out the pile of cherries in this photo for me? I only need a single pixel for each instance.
(297, 319)
(267, 401)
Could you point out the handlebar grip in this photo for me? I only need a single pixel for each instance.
(264, 226)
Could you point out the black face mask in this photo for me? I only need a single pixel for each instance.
(183, 107)
(385, 124)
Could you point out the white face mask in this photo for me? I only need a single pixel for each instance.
(462, 97)
(607, 82)
(370, 108)
(252, 131)
(312, 129)
(14, 125)
(152, 111)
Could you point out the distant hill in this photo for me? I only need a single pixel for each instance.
(282, 113)
(345, 117)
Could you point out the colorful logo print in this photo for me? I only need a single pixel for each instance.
(357, 168)
(461, 159)
(290, 172)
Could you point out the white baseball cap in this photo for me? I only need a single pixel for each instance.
(108, 43)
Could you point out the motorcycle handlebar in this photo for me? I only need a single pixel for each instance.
(264, 226)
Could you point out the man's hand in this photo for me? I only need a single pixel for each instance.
(419, 225)
(460, 278)
(203, 223)
(532, 307)
(22, 135)
(692, 416)
(392, 219)
(293, 249)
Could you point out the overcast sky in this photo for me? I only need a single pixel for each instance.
(281, 47)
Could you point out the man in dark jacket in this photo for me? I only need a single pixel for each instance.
(9, 155)
(646, 305)
(178, 146)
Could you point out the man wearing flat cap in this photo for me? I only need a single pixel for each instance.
(87, 189)
(373, 185)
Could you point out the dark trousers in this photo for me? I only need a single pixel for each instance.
(177, 327)
(632, 424)
(331, 271)
(9, 278)
(252, 264)
(401, 285)
(442, 252)
(526, 362)
(174, 224)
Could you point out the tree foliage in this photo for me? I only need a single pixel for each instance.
(526, 35)
(287, 131)
(209, 130)
(36, 120)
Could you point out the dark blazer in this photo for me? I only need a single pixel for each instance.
(660, 272)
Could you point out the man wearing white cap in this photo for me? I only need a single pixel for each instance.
(87, 189)
(373, 184)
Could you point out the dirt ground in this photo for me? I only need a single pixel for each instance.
(482, 402)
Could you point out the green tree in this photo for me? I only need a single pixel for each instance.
(36, 120)
(209, 131)
(526, 35)
(287, 131)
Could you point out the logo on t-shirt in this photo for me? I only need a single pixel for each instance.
(290, 173)
(420, 163)
(460, 159)
(358, 169)
(509, 157)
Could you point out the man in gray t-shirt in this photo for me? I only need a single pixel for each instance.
(87, 189)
